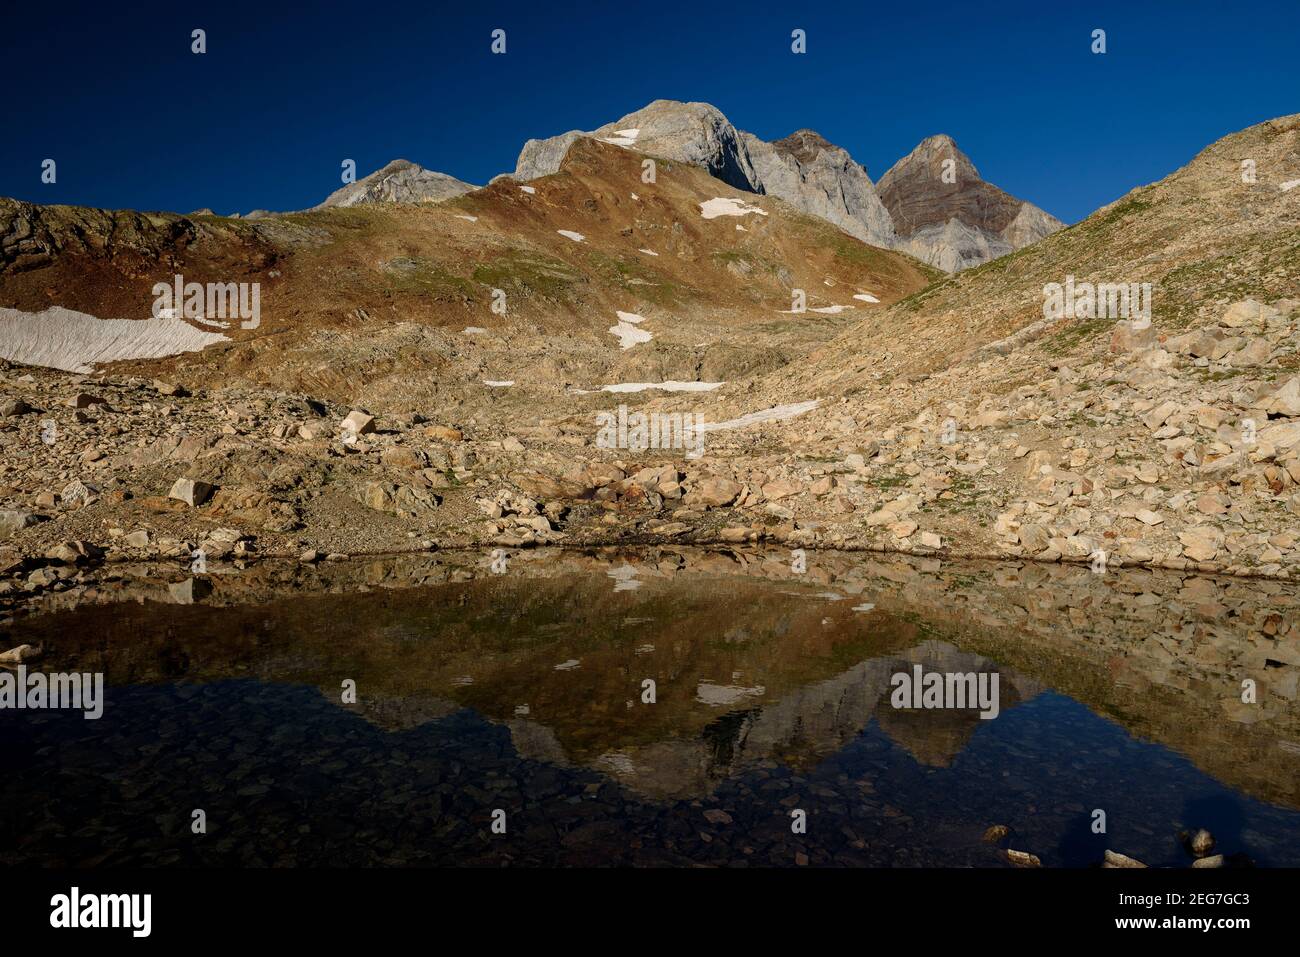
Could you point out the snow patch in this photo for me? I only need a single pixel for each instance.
(825, 310)
(648, 252)
(720, 206)
(777, 413)
(622, 137)
(1290, 184)
(474, 330)
(669, 385)
(628, 334)
(865, 297)
(499, 383)
(59, 338)
(467, 217)
(570, 234)
(706, 692)
(529, 189)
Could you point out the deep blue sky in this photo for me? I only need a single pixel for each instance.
(264, 118)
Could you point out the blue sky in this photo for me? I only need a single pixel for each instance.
(265, 117)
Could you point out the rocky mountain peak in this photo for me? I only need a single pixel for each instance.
(947, 215)
(399, 181)
(804, 145)
(932, 203)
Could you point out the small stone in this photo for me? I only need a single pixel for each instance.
(716, 816)
(1023, 859)
(10, 407)
(1114, 859)
(170, 388)
(191, 491)
(781, 488)
(996, 833)
(903, 528)
(16, 656)
(359, 423)
(1201, 843)
(14, 520)
(443, 433)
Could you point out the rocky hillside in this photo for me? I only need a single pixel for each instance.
(951, 226)
(397, 303)
(975, 417)
(951, 418)
(946, 215)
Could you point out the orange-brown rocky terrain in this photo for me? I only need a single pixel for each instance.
(382, 403)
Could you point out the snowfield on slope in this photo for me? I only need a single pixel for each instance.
(720, 206)
(59, 338)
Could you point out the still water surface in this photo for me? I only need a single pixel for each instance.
(524, 697)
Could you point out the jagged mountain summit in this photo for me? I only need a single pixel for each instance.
(803, 169)
(950, 225)
(948, 216)
(400, 181)
(823, 179)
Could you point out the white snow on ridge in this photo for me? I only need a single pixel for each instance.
(622, 137)
(825, 310)
(866, 297)
(570, 234)
(777, 413)
(669, 385)
(59, 338)
(720, 206)
(529, 189)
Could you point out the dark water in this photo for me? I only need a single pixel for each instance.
(522, 695)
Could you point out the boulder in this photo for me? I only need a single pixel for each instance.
(191, 491)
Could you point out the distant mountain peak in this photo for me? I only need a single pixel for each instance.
(932, 203)
(398, 181)
(804, 145)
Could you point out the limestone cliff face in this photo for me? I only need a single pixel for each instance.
(820, 178)
(952, 221)
(694, 133)
(803, 169)
(947, 215)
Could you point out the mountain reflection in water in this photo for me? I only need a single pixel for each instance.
(527, 692)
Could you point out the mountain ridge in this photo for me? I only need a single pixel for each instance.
(815, 175)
